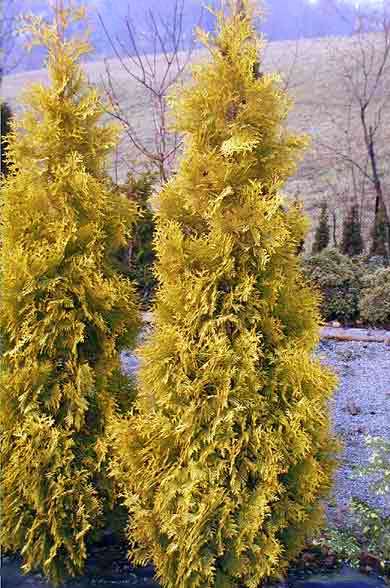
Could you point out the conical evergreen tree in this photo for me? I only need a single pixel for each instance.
(225, 460)
(381, 235)
(322, 233)
(5, 128)
(64, 314)
(352, 240)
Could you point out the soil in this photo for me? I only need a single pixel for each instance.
(108, 566)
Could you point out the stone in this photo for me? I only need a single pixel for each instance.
(353, 408)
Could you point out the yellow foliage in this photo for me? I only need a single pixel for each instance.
(65, 314)
(228, 453)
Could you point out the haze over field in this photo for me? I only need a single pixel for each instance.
(283, 19)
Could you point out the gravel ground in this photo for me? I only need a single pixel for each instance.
(360, 407)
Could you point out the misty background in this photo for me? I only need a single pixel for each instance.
(283, 20)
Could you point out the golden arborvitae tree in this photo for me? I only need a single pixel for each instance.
(228, 452)
(65, 313)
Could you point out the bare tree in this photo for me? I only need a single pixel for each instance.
(154, 74)
(365, 81)
(10, 11)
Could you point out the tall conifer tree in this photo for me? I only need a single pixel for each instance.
(226, 459)
(64, 313)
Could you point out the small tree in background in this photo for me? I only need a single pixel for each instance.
(229, 452)
(5, 128)
(322, 233)
(65, 314)
(352, 240)
(381, 235)
(137, 258)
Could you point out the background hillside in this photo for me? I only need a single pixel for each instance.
(325, 76)
(284, 20)
(313, 71)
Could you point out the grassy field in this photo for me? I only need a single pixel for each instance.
(313, 69)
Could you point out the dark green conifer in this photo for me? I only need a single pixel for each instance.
(322, 233)
(352, 240)
(381, 235)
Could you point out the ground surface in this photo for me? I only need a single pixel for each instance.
(109, 568)
(360, 407)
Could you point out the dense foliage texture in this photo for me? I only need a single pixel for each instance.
(381, 235)
(339, 280)
(229, 451)
(64, 314)
(322, 232)
(374, 303)
(5, 128)
(372, 523)
(138, 257)
(352, 240)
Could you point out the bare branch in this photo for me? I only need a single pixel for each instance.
(10, 15)
(366, 81)
(154, 74)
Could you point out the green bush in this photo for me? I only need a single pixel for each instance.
(373, 525)
(374, 304)
(367, 531)
(339, 280)
(374, 262)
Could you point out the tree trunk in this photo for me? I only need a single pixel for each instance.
(380, 236)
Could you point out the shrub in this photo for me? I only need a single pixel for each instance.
(352, 241)
(226, 459)
(372, 523)
(374, 262)
(322, 233)
(374, 304)
(64, 314)
(5, 129)
(339, 280)
(367, 532)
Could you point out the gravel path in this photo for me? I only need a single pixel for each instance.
(360, 407)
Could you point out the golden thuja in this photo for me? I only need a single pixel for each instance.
(227, 456)
(65, 313)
